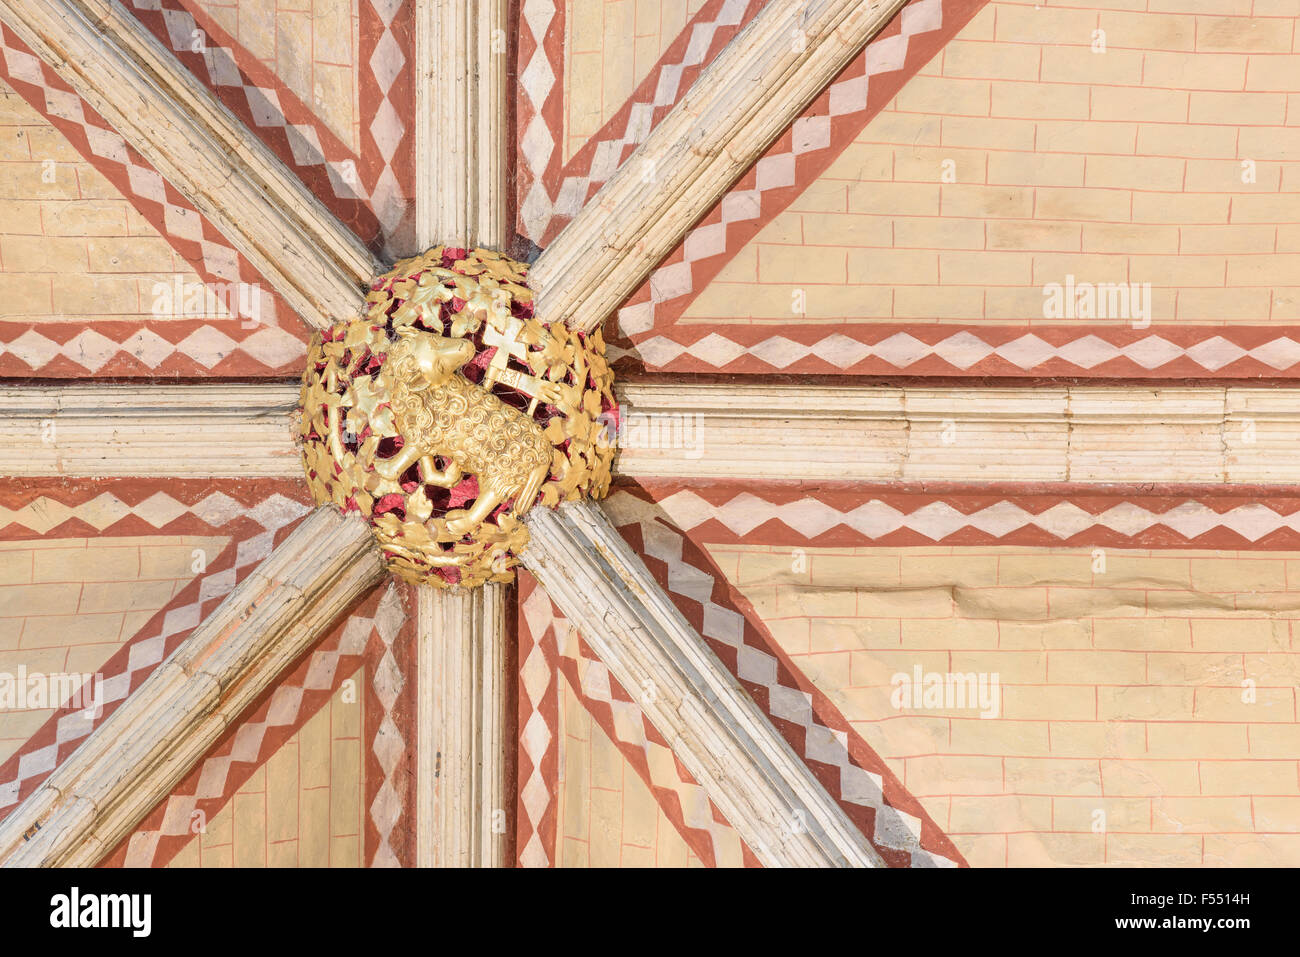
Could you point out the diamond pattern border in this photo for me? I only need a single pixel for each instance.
(135, 660)
(386, 91)
(538, 721)
(801, 154)
(76, 508)
(855, 776)
(943, 350)
(539, 113)
(1234, 517)
(71, 349)
(683, 801)
(212, 782)
(273, 112)
(566, 190)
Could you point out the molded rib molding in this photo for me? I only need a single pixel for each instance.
(121, 69)
(757, 86)
(143, 749)
(751, 773)
(463, 702)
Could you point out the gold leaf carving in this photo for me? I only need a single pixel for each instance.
(448, 411)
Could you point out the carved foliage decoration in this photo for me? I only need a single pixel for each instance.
(448, 411)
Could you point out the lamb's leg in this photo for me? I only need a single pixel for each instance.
(528, 494)
(334, 416)
(393, 468)
(447, 478)
(432, 557)
(486, 503)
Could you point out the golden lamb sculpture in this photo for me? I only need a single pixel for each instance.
(441, 413)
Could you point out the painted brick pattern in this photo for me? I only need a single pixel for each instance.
(1116, 166)
(610, 47)
(69, 349)
(303, 807)
(311, 45)
(1126, 734)
(67, 605)
(253, 536)
(868, 791)
(547, 636)
(608, 815)
(365, 640)
(71, 246)
(550, 202)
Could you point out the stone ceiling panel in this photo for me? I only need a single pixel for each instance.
(1056, 191)
(1113, 706)
(68, 604)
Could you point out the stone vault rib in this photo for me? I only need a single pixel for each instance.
(225, 429)
(755, 88)
(857, 433)
(135, 758)
(230, 175)
(749, 771)
(464, 685)
(464, 679)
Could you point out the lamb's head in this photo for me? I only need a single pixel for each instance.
(429, 358)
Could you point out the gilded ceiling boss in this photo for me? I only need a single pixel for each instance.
(447, 412)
